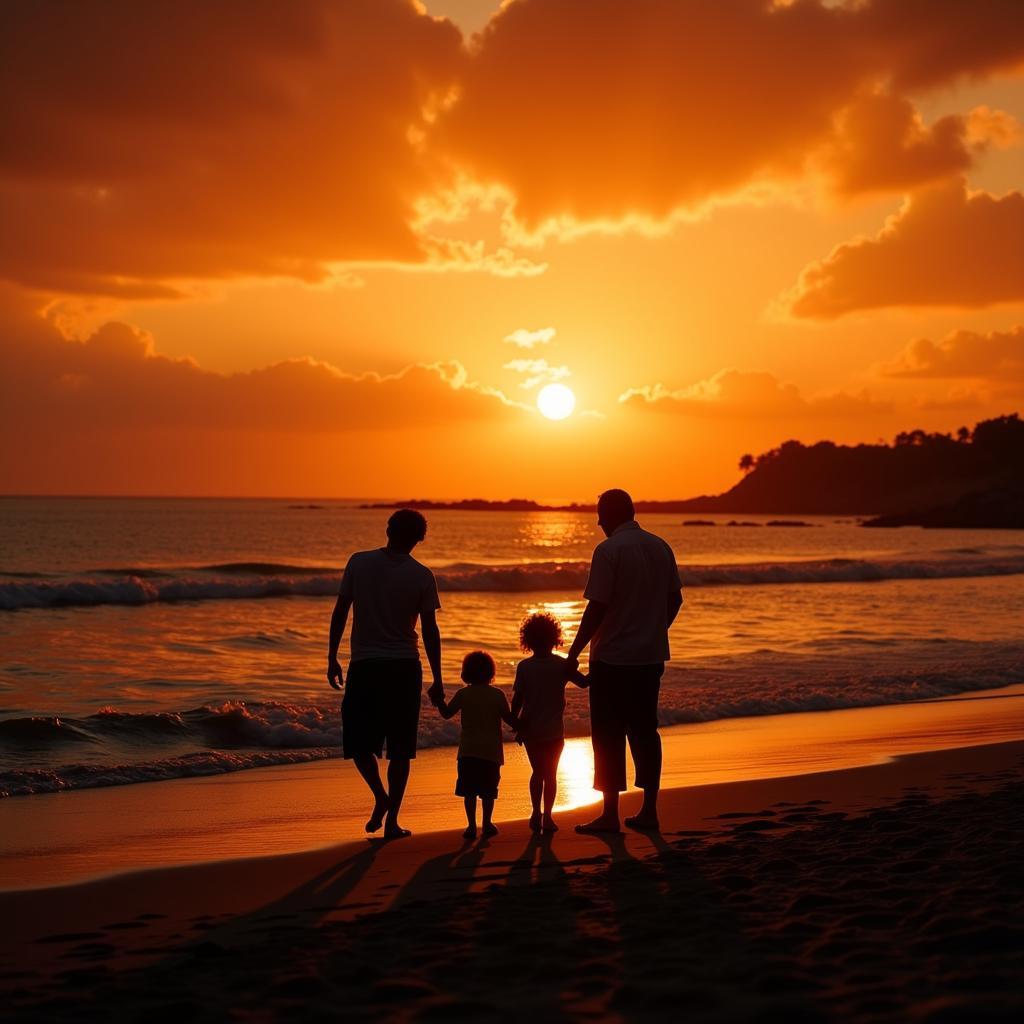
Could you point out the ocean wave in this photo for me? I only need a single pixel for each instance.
(250, 580)
(234, 736)
(122, 747)
(29, 781)
(42, 731)
(268, 724)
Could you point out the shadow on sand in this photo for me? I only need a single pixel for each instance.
(542, 936)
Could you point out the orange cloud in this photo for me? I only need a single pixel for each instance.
(945, 247)
(881, 143)
(741, 394)
(614, 111)
(996, 356)
(997, 128)
(116, 380)
(149, 144)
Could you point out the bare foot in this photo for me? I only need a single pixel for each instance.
(535, 821)
(600, 826)
(394, 832)
(549, 824)
(470, 832)
(377, 818)
(643, 823)
(489, 830)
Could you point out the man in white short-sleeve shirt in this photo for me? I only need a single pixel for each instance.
(388, 590)
(633, 594)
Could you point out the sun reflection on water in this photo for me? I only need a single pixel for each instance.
(576, 775)
(546, 530)
(568, 612)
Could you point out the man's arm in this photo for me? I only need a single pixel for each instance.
(432, 647)
(675, 602)
(338, 620)
(593, 615)
(598, 592)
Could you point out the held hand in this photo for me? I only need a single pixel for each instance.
(572, 665)
(334, 674)
(436, 692)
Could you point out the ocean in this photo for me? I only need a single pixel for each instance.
(147, 639)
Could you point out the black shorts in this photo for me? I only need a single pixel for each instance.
(478, 777)
(624, 706)
(382, 705)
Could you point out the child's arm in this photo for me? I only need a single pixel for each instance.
(579, 679)
(517, 707)
(508, 716)
(449, 708)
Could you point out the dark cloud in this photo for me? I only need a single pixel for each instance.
(610, 108)
(148, 143)
(881, 144)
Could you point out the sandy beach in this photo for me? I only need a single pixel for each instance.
(597, 411)
(884, 892)
(62, 838)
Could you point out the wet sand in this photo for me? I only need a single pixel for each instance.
(883, 893)
(68, 837)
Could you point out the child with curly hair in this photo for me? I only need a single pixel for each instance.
(538, 701)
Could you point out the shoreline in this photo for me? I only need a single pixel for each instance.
(79, 835)
(684, 811)
(740, 872)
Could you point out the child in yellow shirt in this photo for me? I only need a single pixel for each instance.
(483, 708)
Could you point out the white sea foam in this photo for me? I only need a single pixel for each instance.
(264, 580)
(117, 747)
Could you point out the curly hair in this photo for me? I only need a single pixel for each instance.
(540, 631)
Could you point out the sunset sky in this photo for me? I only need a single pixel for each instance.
(336, 247)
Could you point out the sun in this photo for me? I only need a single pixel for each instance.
(556, 401)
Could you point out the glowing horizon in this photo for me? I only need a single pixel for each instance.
(354, 264)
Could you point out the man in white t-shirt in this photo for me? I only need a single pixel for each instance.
(388, 590)
(633, 595)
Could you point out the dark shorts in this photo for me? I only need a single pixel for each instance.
(624, 706)
(382, 706)
(544, 754)
(478, 777)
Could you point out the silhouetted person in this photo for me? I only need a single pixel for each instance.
(633, 594)
(538, 701)
(387, 589)
(483, 708)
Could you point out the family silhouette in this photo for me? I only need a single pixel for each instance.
(633, 595)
